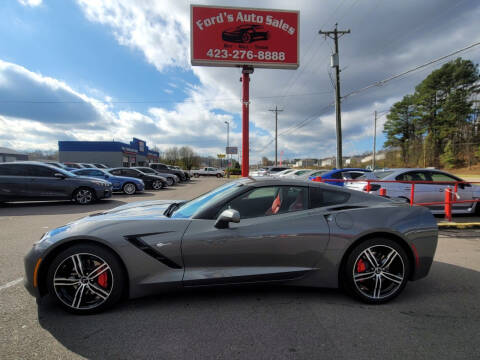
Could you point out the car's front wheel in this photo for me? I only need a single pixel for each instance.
(84, 196)
(376, 271)
(85, 279)
(219, 175)
(157, 185)
(129, 188)
(196, 175)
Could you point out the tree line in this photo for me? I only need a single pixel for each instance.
(438, 125)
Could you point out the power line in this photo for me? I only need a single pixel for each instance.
(383, 82)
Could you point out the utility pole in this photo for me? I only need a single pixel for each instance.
(335, 35)
(374, 139)
(228, 145)
(276, 132)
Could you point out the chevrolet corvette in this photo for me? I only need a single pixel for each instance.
(251, 230)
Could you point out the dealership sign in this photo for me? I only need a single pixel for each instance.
(225, 36)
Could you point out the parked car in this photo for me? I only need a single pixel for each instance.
(424, 193)
(268, 171)
(32, 180)
(151, 181)
(88, 165)
(57, 164)
(187, 174)
(301, 174)
(171, 178)
(283, 172)
(128, 185)
(73, 165)
(339, 174)
(101, 166)
(259, 172)
(246, 231)
(164, 168)
(208, 171)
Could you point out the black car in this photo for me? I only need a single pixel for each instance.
(187, 174)
(164, 168)
(172, 179)
(151, 181)
(31, 180)
(245, 33)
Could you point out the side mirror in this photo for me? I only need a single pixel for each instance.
(227, 216)
(59, 175)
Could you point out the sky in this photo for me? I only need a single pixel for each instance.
(117, 69)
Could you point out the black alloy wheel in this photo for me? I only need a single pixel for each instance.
(170, 181)
(85, 279)
(377, 271)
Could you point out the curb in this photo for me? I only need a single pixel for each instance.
(457, 225)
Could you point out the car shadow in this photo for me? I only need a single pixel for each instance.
(269, 321)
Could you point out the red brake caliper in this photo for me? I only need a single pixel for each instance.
(361, 266)
(103, 280)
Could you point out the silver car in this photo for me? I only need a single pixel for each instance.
(423, 193)
(246, 231)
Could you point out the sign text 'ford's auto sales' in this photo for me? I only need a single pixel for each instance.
(223, 36)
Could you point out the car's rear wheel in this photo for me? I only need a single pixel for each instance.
(218, 175)
(376, 271)
(157, 185)
(129, 188)
(170, 181)
(84, 196)
(85, 279)
(196, 175)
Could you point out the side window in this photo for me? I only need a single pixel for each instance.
(131, 173)
(40, 171)
(320, 197)
(413, 176)
(337, 175)
(95, 173)
(116, 172)
(82, 172)
(442, 177)
(270, 200)
(13, 170)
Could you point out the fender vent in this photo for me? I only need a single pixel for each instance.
(147, 249)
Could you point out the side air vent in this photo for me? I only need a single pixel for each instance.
(346, 207)
(147, 249)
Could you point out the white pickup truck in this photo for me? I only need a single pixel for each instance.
(208, 171)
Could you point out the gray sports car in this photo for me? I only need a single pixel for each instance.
(246, 231)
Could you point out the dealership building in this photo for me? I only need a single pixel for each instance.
(110, 153)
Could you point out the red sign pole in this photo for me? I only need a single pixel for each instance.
(246, 71)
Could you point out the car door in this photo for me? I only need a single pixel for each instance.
(13, 182)
(43, 184)
(464, 191)
(423, 192)
(278, 237)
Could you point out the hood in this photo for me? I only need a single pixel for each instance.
(152, 209)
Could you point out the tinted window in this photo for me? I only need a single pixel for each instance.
(320, 197)
(130, 172)
(13, 170)
(40, 171)
(442, 177)
(413, 176)
(337, 175)
(117, 172)
(82, 172)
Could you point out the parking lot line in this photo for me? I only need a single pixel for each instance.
(10, 283)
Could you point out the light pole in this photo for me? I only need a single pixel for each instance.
(228, 144)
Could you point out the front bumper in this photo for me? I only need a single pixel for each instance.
(104, 192)
(31, 261)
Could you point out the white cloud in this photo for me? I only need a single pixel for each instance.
(31, 3)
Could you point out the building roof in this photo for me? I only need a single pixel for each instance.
(4, 150)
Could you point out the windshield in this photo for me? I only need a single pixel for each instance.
(192, 207)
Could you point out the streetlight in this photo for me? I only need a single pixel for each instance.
(228, 144)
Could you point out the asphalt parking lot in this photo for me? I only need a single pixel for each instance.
(435, 318)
